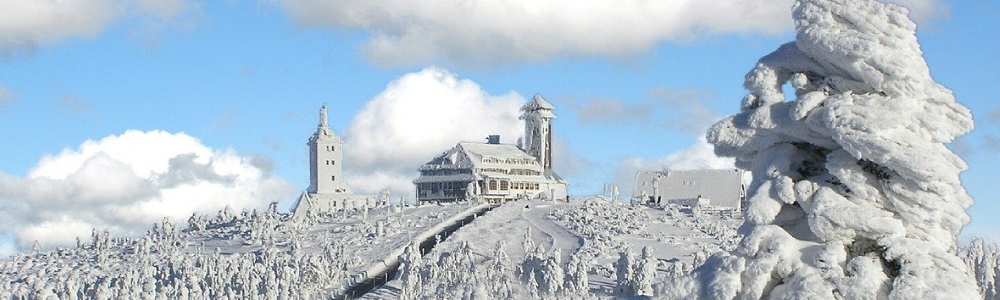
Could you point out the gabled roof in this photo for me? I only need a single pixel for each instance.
(467, 155)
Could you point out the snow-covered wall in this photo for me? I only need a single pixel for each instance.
(854, 194)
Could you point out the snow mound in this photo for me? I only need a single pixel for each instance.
(854, 193)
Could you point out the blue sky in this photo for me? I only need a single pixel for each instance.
(634, 91)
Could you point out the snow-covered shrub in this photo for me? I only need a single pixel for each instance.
(854, 192)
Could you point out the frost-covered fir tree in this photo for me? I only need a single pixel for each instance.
(576, 273)
(645, 273)
(410, 267)
(854, 193)
(624, 276)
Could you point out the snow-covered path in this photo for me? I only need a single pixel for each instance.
(558, 237)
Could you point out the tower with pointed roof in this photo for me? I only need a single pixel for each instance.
(328, 189)
(325, 154)
(496, 172)
(537, 140)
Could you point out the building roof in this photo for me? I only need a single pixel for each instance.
(469, 155)
(539, 106)
(540, 102)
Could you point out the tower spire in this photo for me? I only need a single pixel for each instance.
(322, 117)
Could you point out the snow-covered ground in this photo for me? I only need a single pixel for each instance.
(229, 255)
(587, 248)
(558, 237)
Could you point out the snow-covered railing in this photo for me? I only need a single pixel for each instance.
(380, 272)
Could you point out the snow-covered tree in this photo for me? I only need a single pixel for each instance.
(854, 192)
(411, 277)
(577, 280)
(624, 275)
(645, 273)
(984, 262)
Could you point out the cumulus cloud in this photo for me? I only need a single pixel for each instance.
(27, 25)
(416, 117)
(698, 156)
(125, 183)
(407, 32)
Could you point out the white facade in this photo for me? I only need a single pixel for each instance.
(537, 141)
(328, 189)
(497, 172)
(718, 188)
(325, 154)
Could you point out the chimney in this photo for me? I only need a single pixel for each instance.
(493, 139)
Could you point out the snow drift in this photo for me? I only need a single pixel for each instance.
(854, 194)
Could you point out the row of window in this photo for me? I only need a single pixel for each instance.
(436, 186)
(445, 172)
(331, 163)
(525, 172)
(493, 184)
(511, 161)
(330, 148)
(504, 185)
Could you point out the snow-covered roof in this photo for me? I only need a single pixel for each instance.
(539, 102)
(469, 155)
(540, 106)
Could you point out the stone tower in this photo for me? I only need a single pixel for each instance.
(325, 153)
(537, 141)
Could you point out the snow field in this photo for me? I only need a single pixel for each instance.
(246, 256)
(555, 250)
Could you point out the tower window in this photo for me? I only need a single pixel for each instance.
(333, 178)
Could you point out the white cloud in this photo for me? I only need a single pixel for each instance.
(416, 117)
(127, 182)
(408, 32)
(698, 156)
(26, 25)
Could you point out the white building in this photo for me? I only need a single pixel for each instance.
(327, 189)
(718, 188)
(497, 172)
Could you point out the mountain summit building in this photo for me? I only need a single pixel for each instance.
(497, 172)
(327, 189)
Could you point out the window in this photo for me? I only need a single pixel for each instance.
(333, 178)
(504, 185)
(493, 184)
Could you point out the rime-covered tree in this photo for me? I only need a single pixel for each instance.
(645, 273)
(854, 192)
(624, 275)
